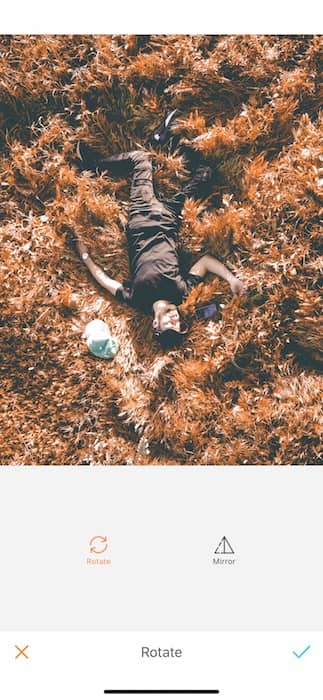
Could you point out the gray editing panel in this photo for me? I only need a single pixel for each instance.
(225, 548)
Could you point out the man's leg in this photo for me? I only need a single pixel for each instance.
(197, 187)
(142, 195)
(91, 159)
(137, 162)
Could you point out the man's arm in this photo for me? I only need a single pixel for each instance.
(210, 264)
(107, 282)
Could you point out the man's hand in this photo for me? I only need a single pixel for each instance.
(237, 287)
(99, 275)
(81, 248)
(208, 263)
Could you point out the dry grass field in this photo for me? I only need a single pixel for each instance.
(245, 389)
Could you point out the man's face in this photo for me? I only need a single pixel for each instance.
(168, 318)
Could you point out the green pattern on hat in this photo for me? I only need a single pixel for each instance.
(105, 348)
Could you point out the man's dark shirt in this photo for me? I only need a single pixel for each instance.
(154, 265)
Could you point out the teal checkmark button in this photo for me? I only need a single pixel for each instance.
(299, 656)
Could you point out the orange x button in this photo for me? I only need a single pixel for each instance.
(22, 652)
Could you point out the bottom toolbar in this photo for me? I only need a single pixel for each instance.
(92, 665)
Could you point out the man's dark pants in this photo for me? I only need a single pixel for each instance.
(145, 209)
(144, 205)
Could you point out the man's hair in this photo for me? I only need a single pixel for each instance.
(169, 338)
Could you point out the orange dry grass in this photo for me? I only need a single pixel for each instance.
(243, 390)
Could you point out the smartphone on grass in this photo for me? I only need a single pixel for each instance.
(206, 311)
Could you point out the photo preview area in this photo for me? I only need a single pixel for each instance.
(88, 251)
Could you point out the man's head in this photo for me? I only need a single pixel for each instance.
(166, 317)
(167, 325)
